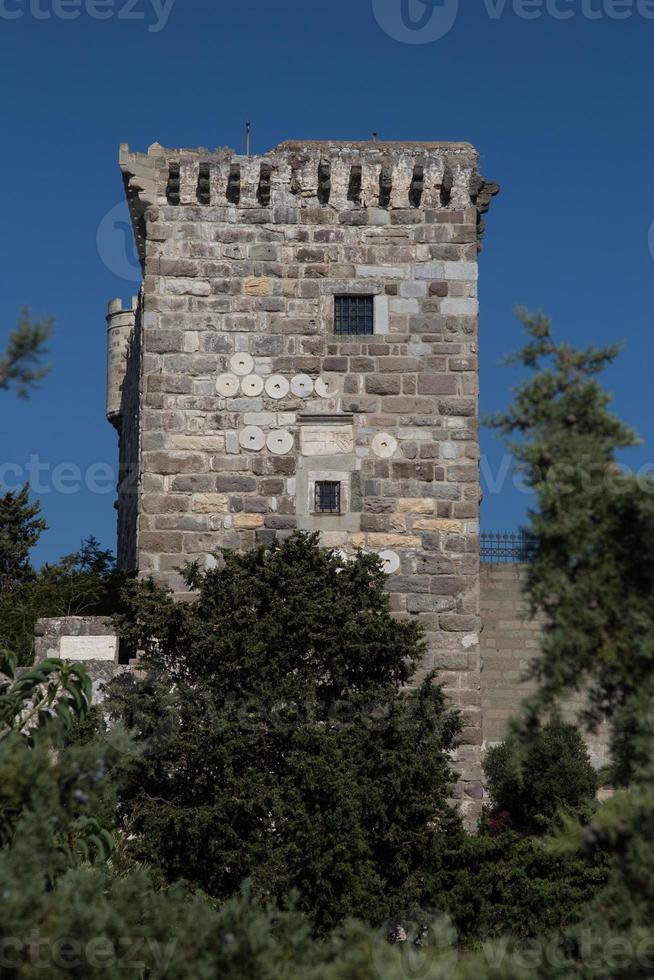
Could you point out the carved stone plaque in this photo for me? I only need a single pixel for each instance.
(326, 440)
(88, 647)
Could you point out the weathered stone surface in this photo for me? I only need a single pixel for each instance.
(258, 286)
(210, 503)
(243, 522)
(415, 505)
(383, 384)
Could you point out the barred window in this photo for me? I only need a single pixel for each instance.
(328, 497)
(354, 314)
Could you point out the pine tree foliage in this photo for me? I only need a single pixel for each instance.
(592, 575)
(532, 779)
(20, 529)
(68, 908)
(591, 532)
(275, 741)
(278, 742)
(21, 366)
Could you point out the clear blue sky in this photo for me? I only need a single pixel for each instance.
(559, 109)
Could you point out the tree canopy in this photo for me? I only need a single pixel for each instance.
(21, 363)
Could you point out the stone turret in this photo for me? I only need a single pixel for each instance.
(120, 328)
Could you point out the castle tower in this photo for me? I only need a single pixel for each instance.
(304, 355)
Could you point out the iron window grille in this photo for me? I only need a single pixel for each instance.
(328, 497)
(354, 315)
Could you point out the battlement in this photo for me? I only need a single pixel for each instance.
(354, 176)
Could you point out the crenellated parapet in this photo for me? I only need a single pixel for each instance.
(309, 174)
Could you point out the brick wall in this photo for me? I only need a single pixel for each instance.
(510, 640)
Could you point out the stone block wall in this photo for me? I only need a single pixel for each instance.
(510, 640)
(90, 640)
(247, 397)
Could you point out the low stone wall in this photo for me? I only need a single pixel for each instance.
(90, 640)
(510, 640)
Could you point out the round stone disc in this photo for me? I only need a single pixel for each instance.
(252, 437)
(227, 385)
(391, 561)
(384, 445)
(279, 442)
(277, 386)
(302, 385)
(241, 364)
(252, 385)
(326, 387)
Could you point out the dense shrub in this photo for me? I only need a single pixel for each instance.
(504, 883)
(530, 779)
(66, 910)
(277, 741)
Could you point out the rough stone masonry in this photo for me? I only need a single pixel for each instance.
(303, 354)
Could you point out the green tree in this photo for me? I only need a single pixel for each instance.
(85, 583)
(20, 530)
(69, 907)
(591, 530)
(278, 743)
(21, 365)
(503, 883)
(531, 779)
(592, 575)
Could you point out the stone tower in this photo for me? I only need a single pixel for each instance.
(303, 354)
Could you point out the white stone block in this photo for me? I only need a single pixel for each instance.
(413, 289)
(430, 270)
(381, 318)
(404, 305)
(266, 419)
(380, 272)
(460, 271)
(81, 648)
(460, 306)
